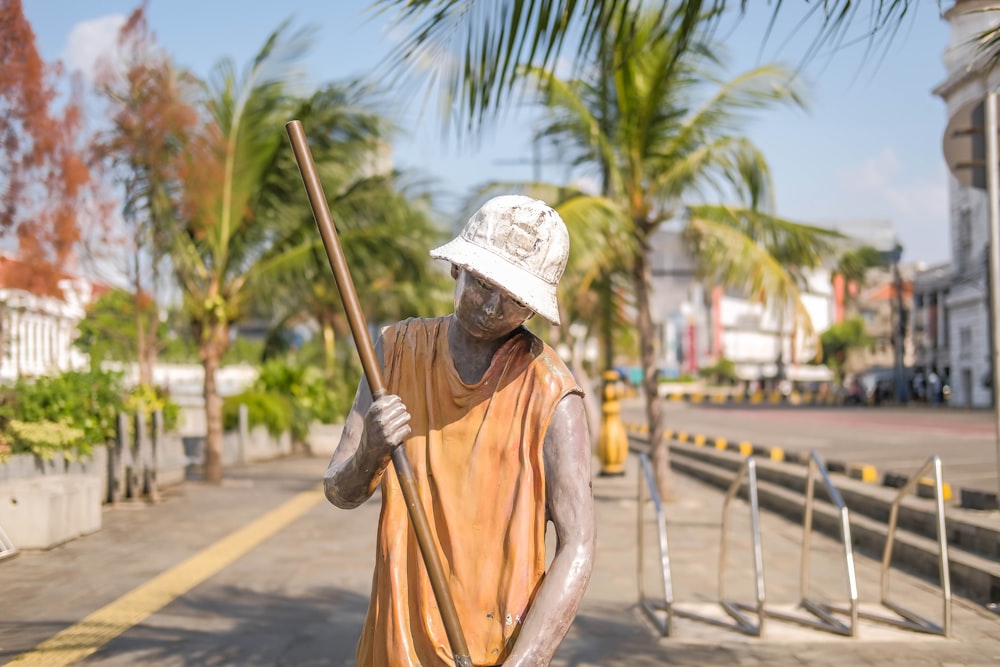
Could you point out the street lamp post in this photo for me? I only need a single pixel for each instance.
(898, 325)
(992, 194)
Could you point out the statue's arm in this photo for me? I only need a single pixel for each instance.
(372, 430)
(570, 502)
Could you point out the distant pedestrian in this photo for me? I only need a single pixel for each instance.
(919, 386)
(934, 387)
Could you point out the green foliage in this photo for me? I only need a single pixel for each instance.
(150, 399)
(44, 438)
(108, 332)
(244, 351)
(289, 396)
(722, 372)
(58, 406)
(854, 263)
(840, 339)
(264, 408)
(680, 379)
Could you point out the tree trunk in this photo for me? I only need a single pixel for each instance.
(212, 348)
(659, 448)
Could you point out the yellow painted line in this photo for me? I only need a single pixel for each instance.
(682, 436)
(746, 449)
(721, 443)
(81, 640)
(777, 454)
(700, 439)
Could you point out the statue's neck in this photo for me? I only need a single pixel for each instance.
(472, 356)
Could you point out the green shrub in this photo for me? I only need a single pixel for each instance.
(88, 402)
(313, 397)
(722, 372)
(44, 438)
(269, 409)
(150, 399)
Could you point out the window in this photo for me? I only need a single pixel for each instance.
(965, 343)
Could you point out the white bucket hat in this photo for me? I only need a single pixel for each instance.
(517, 243)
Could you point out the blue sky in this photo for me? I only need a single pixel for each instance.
(869, 146)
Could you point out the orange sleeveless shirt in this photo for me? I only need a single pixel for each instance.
(476, 452)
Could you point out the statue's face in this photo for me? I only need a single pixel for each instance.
(485, 310)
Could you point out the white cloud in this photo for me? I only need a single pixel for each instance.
(881, 186)
(89, 41)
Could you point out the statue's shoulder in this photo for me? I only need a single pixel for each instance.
(413, 328)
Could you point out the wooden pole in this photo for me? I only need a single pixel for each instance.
(373, 373)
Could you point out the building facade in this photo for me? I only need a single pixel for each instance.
(964, 298)
(38, 321)
(697, 326)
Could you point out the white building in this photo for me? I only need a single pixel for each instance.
(696, 327)
(38, 320)
(967, 304)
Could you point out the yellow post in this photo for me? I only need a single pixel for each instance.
(612, 443)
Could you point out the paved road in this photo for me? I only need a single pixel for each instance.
(262, 571)
(891, 439)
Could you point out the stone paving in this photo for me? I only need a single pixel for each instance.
(299, 597)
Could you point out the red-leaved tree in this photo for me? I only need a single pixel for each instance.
(45, 176)
(150, 118)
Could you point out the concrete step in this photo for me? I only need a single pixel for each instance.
(972, 530)
(973, 568)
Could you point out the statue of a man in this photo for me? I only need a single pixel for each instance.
(494, 428)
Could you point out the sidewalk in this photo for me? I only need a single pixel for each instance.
(611, 630)
(298, 598)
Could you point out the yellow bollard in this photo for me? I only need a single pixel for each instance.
(612, 443)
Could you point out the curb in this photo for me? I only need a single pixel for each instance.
(972, 499)
(805, 399)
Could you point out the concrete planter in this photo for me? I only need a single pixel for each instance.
(44, 503)
(323, 439)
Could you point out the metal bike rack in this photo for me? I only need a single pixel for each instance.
(662, 612)
(907, 619)
(7, 548)
(824, 614)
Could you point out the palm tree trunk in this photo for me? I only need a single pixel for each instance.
(659, 448)
(212, 348)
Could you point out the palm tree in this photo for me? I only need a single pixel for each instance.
(645, 117)
(385, 230)
(231, 195)
(475, 51)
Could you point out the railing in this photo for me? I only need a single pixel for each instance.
(662, 611)
(652, 607)
(908, 619)
(748, 469)
(825, 619)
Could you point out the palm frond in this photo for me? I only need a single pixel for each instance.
(472, 52)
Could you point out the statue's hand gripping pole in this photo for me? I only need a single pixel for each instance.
(373, 373)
